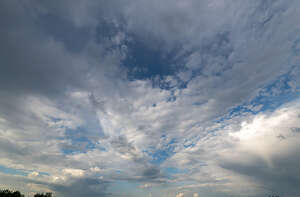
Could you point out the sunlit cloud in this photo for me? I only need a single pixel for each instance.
(160, 98)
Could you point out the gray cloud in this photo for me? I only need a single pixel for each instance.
(65, 85)
(83, 187)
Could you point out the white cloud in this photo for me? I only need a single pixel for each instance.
(74, 172)
(34, 174)
(229, 159)
(145, 186)
(55, 100)
(180, 195)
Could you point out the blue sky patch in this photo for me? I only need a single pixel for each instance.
(145, 62)
(158, 156)
(150, 98)
(80, 143)
(13, 171)
(172, 171)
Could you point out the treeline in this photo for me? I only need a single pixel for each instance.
(8, 193)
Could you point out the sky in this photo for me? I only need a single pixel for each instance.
(140, 98)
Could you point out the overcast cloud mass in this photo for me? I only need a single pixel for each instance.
(138, 98)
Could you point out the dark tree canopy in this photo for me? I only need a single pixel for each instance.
(8, 193)
(43, 195)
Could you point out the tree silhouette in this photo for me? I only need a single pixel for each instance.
(43, 195)
(8, 193)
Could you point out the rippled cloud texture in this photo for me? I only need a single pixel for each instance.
(150, 98)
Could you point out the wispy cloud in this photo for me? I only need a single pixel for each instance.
(169, 98)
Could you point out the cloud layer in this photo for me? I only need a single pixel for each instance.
(139, 98)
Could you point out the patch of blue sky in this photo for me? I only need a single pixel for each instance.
(67, 151)
(79, 142)
(173, 171)
(158, 156)
(275, 94)
(146, 62)
(44, 173)
(269, 98)
(21, 172)
(119, 171)
(13, 171)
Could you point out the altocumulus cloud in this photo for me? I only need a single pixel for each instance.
(131, 98)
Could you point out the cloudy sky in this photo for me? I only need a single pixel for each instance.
(150, 98)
